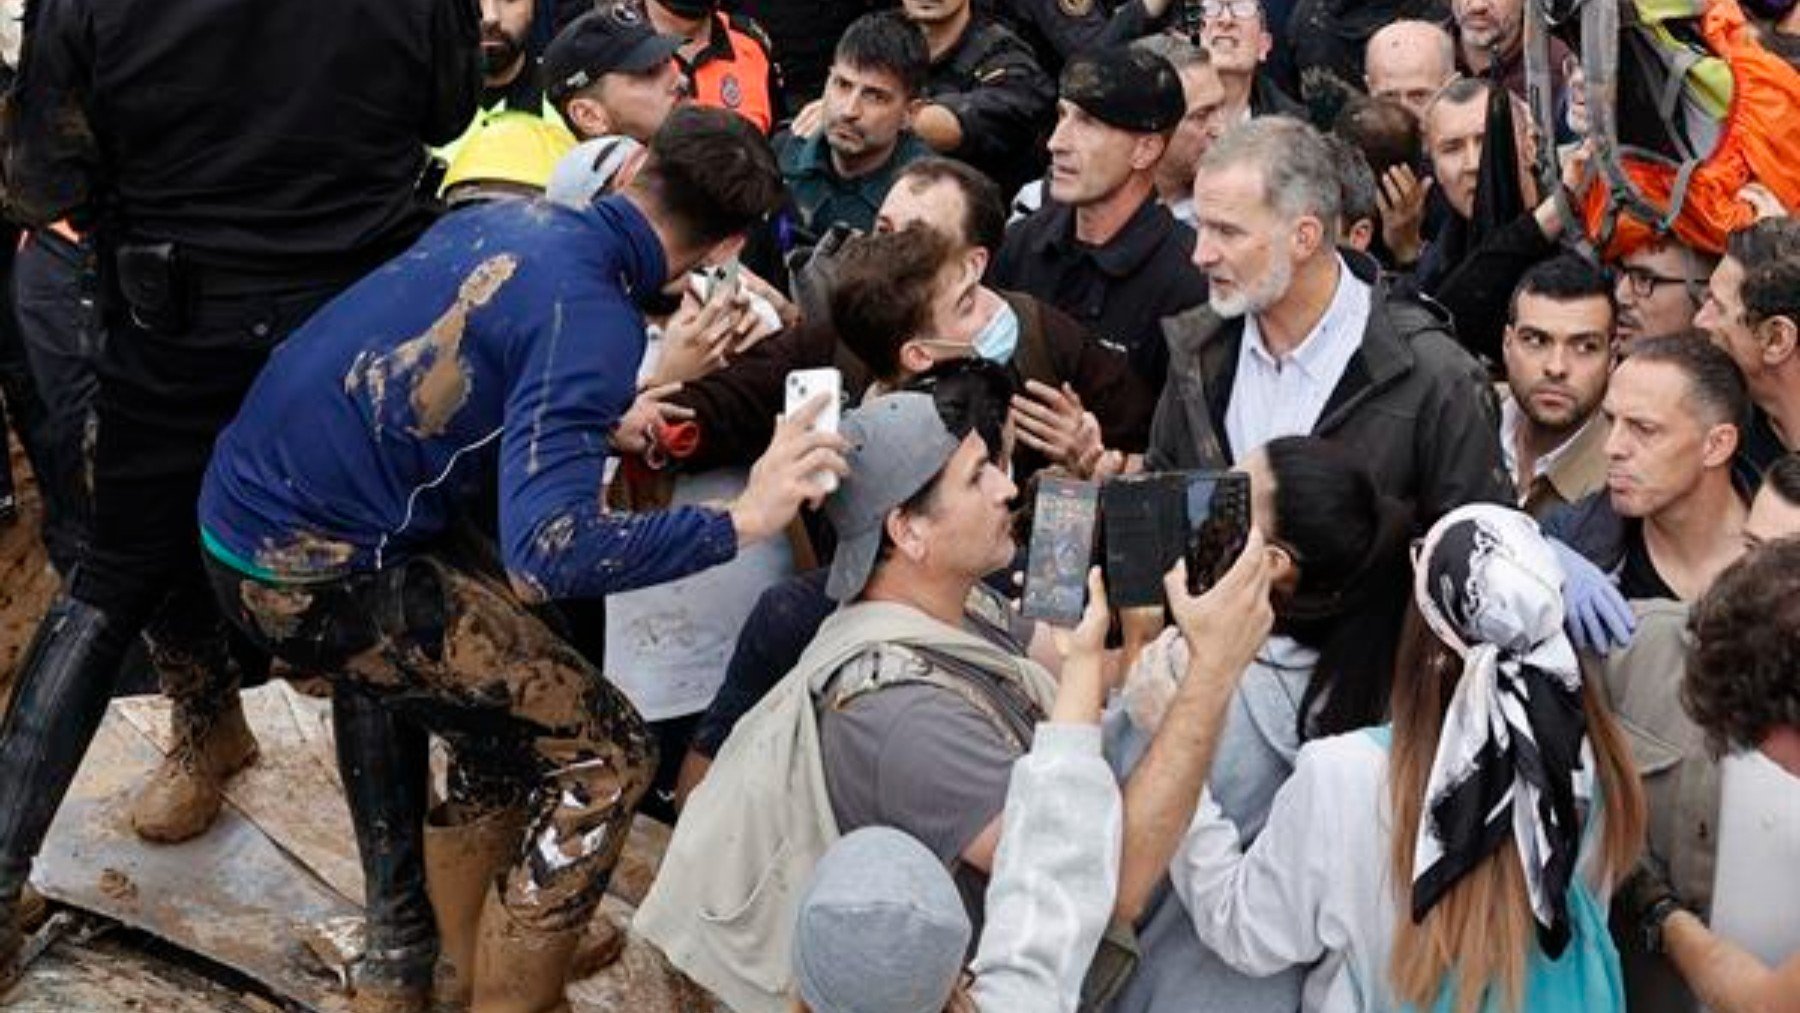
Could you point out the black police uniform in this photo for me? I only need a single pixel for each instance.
(1058, 29)
(238, 163)
(1121, 291)
(1001, 97)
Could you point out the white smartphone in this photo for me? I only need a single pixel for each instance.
(802, 386)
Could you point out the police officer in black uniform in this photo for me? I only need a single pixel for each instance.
(1121, 284)
(238, 163)
(1058, 29)
(988, 102)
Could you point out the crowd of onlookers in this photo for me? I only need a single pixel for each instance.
(480, 375)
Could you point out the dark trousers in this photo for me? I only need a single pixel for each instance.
(54, 290)
(162, 399)
(526, 716)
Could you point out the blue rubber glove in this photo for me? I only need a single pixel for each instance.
(1595, 614)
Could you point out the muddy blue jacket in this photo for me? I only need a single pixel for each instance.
(494, 356)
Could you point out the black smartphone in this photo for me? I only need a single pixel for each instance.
(1218, 516)
(1145, 530)
(1061, 549)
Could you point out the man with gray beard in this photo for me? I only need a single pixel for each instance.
(1300, 337)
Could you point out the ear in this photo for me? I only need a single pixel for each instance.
(1362, 234)
(1265, 41)
(1283, 571)
(1309, 236)
(1147, 150)
(914, 359)
(902, 530)
(1778, 337)
(978, 261)
(912, 112)
(588, 118)
(1720, 445)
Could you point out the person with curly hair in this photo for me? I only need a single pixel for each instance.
(1743, 689)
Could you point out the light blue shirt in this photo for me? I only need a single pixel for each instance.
(1273, 397)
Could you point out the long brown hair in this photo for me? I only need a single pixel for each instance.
(1482, 929)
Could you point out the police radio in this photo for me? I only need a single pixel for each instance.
(1191, 18)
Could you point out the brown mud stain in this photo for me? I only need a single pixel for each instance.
(118, 886)
(305, 554)
(276, 610)
(432, 362)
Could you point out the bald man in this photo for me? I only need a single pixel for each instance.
(1409, 61)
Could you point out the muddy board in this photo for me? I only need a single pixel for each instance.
(231, 895)
(278, 867)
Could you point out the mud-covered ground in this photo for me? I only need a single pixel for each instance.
(26, 580)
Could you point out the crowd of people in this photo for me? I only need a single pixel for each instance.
(443, 351)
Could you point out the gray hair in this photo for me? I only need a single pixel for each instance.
(1356, 183)
(1180, 52)
(1299, 171)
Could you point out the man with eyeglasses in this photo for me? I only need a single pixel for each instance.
(1658, 288)
(1237, 34)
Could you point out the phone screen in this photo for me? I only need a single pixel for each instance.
(1062, 546)
(1218, 512)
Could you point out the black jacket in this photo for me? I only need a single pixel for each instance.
(1411, 404)
(278, 136)
(1119, 292)
(1004, 102)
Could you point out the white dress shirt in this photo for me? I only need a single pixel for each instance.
(1274, 397)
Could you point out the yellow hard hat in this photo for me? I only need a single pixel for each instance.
(510, 147)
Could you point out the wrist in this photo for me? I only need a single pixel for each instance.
(750, 523)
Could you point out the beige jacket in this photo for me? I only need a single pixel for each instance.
(723, 905)
(1681, 787)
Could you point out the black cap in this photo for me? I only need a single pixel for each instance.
(612, 38)
(1127, 88)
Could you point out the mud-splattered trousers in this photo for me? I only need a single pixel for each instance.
(527, 717)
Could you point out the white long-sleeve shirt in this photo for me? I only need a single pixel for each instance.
(1317, 884)
(1055, 877)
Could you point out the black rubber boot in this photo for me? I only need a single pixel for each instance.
(64, 685)
(382, 758)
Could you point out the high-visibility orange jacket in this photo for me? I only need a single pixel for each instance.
(736, 71)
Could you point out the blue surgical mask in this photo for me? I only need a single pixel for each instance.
(999, 338)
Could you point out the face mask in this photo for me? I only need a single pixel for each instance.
(1000, 337)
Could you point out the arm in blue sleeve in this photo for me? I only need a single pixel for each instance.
(568, 387)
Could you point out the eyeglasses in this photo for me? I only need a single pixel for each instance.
(1644, 282)
(1237, 10)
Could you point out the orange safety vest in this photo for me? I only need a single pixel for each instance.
(733, 72)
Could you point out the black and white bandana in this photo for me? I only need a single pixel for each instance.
(1513, 754)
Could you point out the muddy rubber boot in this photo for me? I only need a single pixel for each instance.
(383, 762)
(462, 861)
(182, 797)
(12, 934)
(63, 687)
(518, 969)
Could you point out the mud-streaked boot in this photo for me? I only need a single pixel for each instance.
(182, 797)
(462, 862)
(382, 758)
(519, 969)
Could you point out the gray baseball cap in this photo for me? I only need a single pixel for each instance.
(898, 444)
(881, 928)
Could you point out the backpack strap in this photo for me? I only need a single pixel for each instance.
(1012, 714)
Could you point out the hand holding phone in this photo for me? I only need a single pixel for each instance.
(802, 386)
(1061, 549)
